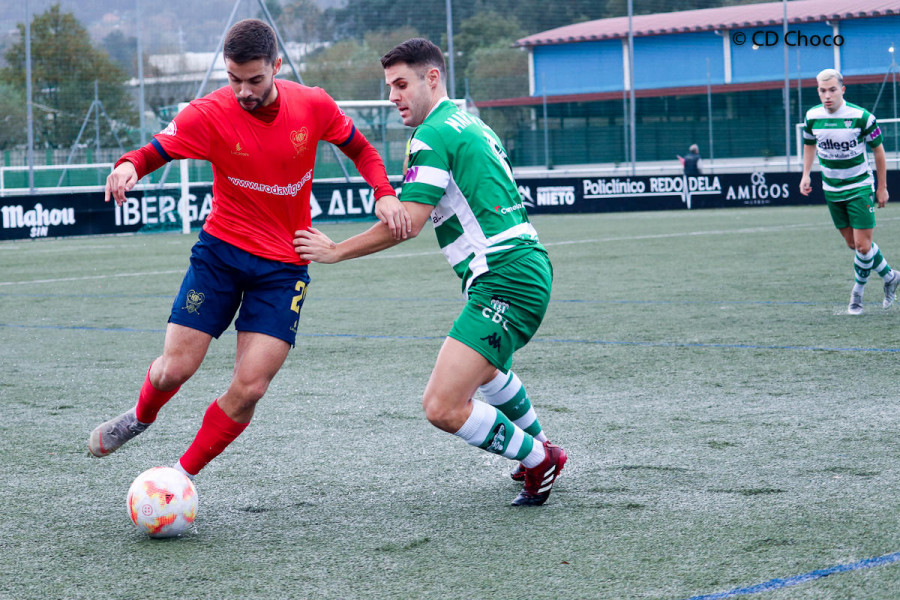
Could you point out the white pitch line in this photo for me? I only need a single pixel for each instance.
(432, 252)
(645, 237)
(89, 277)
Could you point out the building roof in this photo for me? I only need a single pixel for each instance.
(766, 14)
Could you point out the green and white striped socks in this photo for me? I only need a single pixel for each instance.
(508, 395)
(491, 430)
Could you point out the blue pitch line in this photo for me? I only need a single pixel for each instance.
(440, 337)
(777, 584)
(457, 300)
(229, 332)
(25, 295)
(699, 345)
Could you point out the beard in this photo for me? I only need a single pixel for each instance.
(251, 103)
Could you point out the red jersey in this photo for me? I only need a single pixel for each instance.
(262, 172)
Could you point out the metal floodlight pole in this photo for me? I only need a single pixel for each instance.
(709, 111)
(893, 70)
(29, 100)
(546, 125)
(787, 91)
(140, 73)
(800, 115)
(633, 112)
(451, 75)
(96, 118)
(625, 124)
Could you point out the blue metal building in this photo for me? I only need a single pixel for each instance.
(723, 67)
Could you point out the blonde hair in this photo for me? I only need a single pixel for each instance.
(827, 74)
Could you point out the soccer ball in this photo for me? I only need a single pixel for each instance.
(162, 502)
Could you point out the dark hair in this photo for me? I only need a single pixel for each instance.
(251, 39)
(417, 52)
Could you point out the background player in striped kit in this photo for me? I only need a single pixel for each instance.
(839, 132)
(459, 178)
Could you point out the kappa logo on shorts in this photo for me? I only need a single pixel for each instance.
(193, 302)
(493, 341)
(499, 439)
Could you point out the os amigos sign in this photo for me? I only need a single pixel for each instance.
(58, 215)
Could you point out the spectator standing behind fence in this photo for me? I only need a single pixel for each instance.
(691, 162)
(261, 135)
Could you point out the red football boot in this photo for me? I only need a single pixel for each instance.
(539, 480)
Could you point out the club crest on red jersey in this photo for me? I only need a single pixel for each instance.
(299, 139)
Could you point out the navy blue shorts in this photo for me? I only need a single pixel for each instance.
(223, 278)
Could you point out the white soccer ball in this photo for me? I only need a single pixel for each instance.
(162, 502)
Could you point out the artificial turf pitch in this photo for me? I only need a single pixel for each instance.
(729, 427)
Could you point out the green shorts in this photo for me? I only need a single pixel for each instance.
(505, 308)
(857, 212)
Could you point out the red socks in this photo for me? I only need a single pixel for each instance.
(151, 400)
(216, 432)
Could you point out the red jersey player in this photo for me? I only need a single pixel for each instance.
(261, 135)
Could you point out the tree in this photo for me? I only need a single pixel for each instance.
(13, 120)
(303, 21)
(122, 49)
(428, 17)
(486, 30)
(498, 72)
(351, 70)
(274, 8)
(64, 68)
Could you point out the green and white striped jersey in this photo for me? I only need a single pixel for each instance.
(458, 165)
(841, 138)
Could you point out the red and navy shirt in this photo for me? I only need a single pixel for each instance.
(262, 171)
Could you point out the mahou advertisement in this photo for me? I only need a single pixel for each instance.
(59, 215)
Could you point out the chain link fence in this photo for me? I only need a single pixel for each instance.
(106, 76)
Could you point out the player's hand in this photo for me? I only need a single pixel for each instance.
(121, 180)
(392, 213)
(881, 197)
(315, 246)
(805, 187)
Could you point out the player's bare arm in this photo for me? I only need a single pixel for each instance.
(315, 246)
(392, 213)
(881, 192)
(121, 180)
(809, 155)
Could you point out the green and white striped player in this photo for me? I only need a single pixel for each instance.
(839, 132)
(459, 178)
